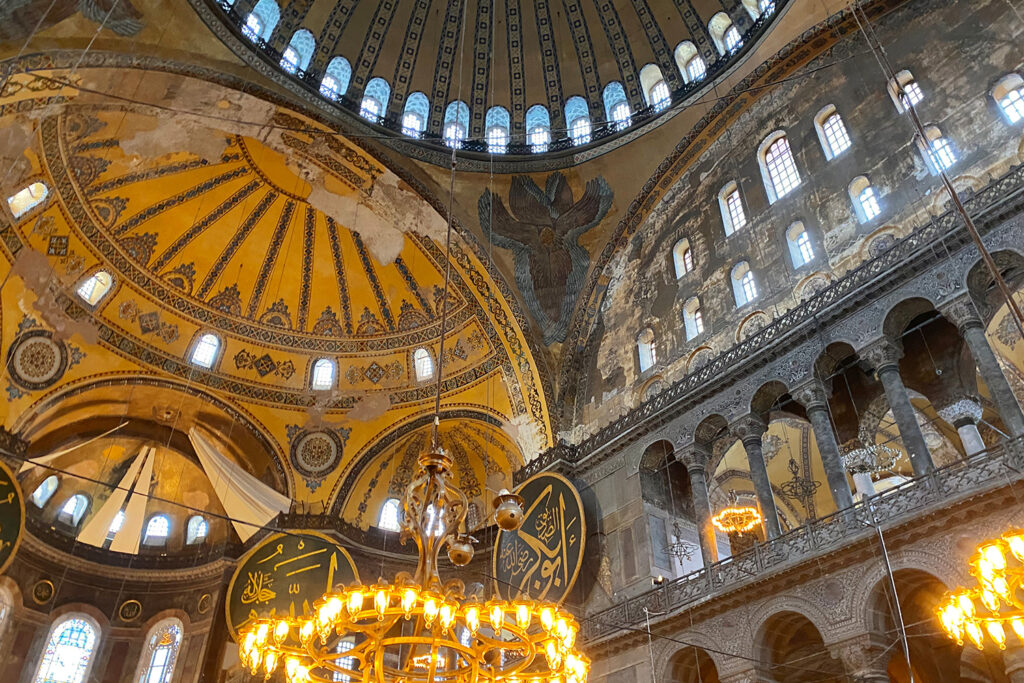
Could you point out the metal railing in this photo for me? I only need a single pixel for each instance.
(984, 471)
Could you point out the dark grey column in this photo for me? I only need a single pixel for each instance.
(696, 466)
(749, 429)
(814, 399)
(884, 357)
(962, 312)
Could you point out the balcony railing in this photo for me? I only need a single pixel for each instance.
(983, 472)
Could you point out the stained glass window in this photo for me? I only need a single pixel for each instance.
(161, 653)
(68, 652)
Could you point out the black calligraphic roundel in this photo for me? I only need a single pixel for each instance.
(286, 574)
(12, 516)
(542, 558)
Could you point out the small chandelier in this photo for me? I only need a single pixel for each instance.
(737, 519)
(996, 604)
(417, 629)
(873, 459)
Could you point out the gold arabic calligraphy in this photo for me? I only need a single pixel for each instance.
(551, 539)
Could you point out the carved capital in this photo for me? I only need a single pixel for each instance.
(749, 429)
(961, 411)
(864, 657)
(695, 458)
(812, 395)
(884, 353)
(962, 312)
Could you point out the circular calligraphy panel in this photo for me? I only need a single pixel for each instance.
(542, 559)
(285, 574)
(12, 516)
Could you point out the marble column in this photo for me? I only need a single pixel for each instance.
(696, 466)
(814, 398)
(884, 357)
(749, 429)
(964, 414)
(865, 658)
(962, 312)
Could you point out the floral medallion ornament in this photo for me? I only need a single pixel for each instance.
(996, 605)
(35, 360)
(315, 454)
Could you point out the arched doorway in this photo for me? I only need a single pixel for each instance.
(691, 665)
(792, 651)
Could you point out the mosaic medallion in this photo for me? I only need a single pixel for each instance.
(315, 454)
(36, 361)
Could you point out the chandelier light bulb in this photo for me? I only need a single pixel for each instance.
(472, 619)
(355, 602)
(523, 616)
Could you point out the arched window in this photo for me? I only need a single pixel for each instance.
(753, 8)
(161, 653)
(726, 36)
(69, 651)
(196, 530)
(937, 150)
(1009, 93)
(94, 287)
(375, 99)
(414, 117)
(41, 496)
(456, 123)
(865, 201)
(682, 257)
(693, 320)
(260, 23)
(731, 205)
(577, 120)
(616, 107)
(344, 645)
(323, 374)
(157, 530)
(496, 127)
(204, 353)
(800, 248)
(538, 128)
(689, 61)
(115, 525)
(766, 6)
(335, 81)
(655, 89)
(27, 198)
(778, 166)
(73, 509)
(831, 132)
(299, 51)
(905, 91)
(744, 287)
(389, 515)
(423, 364)
(646, 352)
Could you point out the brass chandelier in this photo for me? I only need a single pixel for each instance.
(996, 604)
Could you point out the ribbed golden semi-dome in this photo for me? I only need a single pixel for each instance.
(523, 79)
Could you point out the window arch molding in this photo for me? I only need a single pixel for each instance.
(200, 353)
(616, 107)
(95, 287)
(64, 623)
(724, 33)
(1008, 94)
(744, 284)
(802, 250)
(689, 62)
(683, 260)
(832, 132)
(577, 120)
(730, 203)
(73, 510)
(497, 127)
(334, 84)
(43, 493)
(646, 349)
(905, 90)
(693, 318)
(303, 45)
(29, 199)
(655, 89)
(936, 149)
(157, 652)
(456, 123)
(415, 114)
(864, 198)
(323, 374)
(390, 515)
(778, 166)
(423, 364)
(538, 128)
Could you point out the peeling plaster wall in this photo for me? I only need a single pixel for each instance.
(956, 51)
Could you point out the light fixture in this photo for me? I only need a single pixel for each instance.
(737, 519)
(873, 459)
(417, 629)
(995, 606)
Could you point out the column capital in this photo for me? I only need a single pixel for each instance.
(962, 312)
(749, 429)
(811, 395)
(961, 410)
(864, 657)
(883, 353)
(694, 457)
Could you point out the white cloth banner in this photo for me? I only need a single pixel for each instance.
(96, 530)
(249, 502)
(127, 539)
